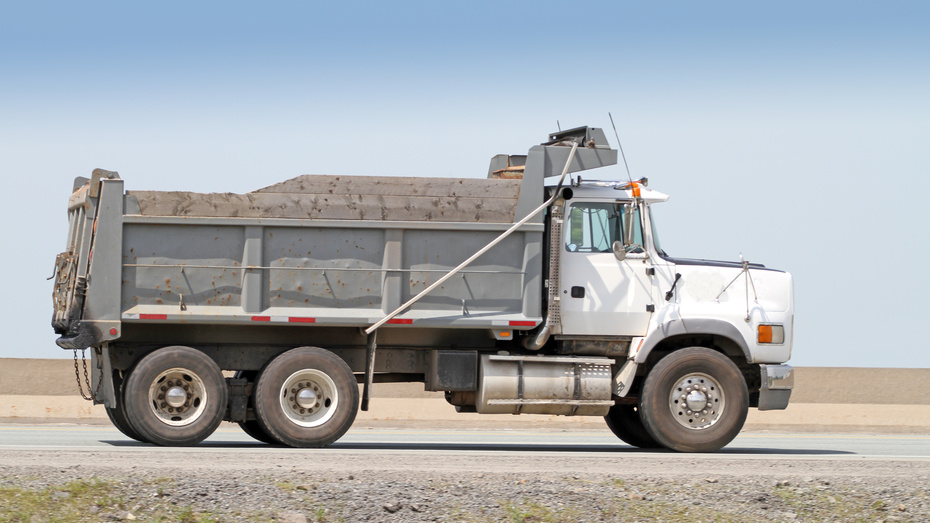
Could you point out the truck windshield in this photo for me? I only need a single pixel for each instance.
(595, 226)
(655, 234)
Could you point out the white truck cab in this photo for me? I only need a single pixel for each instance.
(616, 282)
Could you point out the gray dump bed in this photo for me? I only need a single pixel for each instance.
(316, 249)
(333, 250)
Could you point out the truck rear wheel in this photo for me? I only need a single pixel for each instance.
(625, 423)
(694, 400)
(306, 397)
(118, 416)
(175, 396)
(253, 427)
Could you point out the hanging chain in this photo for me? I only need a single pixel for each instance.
(91, 393)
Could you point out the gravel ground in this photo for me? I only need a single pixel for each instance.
(895, 492)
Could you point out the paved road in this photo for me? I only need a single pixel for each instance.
(420, 444)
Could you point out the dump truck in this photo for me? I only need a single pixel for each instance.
(529, 291)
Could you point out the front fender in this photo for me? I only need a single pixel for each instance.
(691, 326)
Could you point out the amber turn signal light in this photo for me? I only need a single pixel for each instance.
(771, 334)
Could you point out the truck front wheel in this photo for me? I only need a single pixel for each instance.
(625, 423)
(694, 400)
(306, 397)
(175, 396)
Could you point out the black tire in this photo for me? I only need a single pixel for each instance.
(704, 378)
(324, 385)
(190, 378)
(625, 423)
(252, 427)
(118, 417)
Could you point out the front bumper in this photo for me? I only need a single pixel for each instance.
(777, 382)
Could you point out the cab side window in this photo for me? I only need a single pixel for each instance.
(595, 226)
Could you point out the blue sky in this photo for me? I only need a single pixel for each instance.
(793, 132)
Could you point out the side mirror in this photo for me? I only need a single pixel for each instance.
(619, 251)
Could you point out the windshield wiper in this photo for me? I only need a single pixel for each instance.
(671, 292)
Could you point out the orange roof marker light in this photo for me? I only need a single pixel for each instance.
(634, 185)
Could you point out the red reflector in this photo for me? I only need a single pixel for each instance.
(261, 318)
(113, 332)
(522, 323)
(401, 321)
(301, 320)
(153, 316)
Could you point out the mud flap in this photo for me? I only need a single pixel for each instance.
(624, 379)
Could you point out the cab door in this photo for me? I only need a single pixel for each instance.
(601, 295)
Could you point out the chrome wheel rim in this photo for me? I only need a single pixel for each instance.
(309, 398)
(178, 397)
(697, 401)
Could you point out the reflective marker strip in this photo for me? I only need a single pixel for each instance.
(284, 319)
(304, 319)
(280, 319)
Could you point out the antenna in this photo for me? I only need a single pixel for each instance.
(557, 124)
(634, 191)
(620, 145)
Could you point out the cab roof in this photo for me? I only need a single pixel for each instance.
(610, 189)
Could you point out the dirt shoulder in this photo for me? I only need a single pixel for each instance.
(433, 412)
